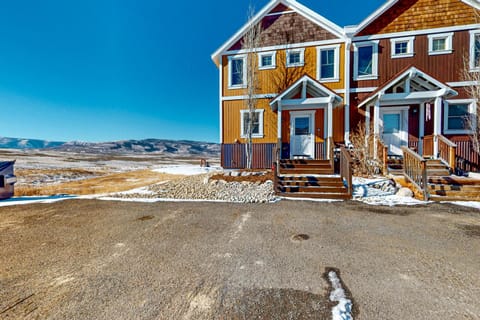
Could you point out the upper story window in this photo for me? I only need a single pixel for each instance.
(295, 57)
(267, 60)
(328, 63)
(257, 123)
(402, 47)
(366, 60)
(475, 50)
(458, 114)
(237, 71)
(440, 43)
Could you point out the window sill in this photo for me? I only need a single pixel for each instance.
(254, 136)
(295, 65)
(326, 80)
(398, 56)
(446, 131)
(360, 78)
(242, 86)
(436, 53)
(267, 68)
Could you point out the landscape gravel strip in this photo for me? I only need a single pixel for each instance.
(201, 187)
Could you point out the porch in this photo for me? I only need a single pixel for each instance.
(305, 120)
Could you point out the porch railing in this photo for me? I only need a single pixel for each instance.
(415, 171)
(346, 169)
(428, 146)
(331, 151)
(447, 150)
(382, 153)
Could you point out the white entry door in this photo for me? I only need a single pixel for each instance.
(395, 130)
(302, 138)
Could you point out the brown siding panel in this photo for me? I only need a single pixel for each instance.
(233, 155)
(411, 15)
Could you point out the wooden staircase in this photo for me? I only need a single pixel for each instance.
(309, 179)
(452, 188)
(435, 168)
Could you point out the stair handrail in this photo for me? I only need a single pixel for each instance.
(447, 151)
(275, 168)
(382, 153)
(331, 151)
(346, 169)
(415, 171)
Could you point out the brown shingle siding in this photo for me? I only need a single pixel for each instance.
(411, 15)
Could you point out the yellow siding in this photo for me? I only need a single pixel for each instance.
(232, 122)
(274, 81)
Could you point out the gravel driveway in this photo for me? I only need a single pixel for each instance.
(90, 259)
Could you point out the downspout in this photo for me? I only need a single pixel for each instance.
(348, 44)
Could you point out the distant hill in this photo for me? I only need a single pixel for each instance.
(15, 143)
(172, 147)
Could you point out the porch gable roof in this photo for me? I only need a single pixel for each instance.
(411, 85)
(320, 94)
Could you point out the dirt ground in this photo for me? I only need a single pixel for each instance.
(91, 259)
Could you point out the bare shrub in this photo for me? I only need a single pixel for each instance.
(363, 152)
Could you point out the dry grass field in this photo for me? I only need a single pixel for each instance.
(106, 183)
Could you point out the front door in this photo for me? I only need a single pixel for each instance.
(395, 130)
(302, 138)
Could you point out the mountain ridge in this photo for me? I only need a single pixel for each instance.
(147, 146)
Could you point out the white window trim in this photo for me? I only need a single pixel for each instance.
(302, 57)
(336, 62)
(448, 43)
(244, 84)
(471, 108)
(273, 54)
(473, 68)
(410, 47)
(260, 124)
(374, 74)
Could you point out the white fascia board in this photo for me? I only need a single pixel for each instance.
(304, 102)
(288, 46)
(238, 35)
(297, 7)
(473, 3)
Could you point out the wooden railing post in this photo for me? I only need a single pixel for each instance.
(415, 170)
(346, 170)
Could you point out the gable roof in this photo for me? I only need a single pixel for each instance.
(312, 87)
(421, 83)
(293, 5)
(390, 3)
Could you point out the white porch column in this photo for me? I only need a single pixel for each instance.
(368, 116)
(437, 125)
(376, 126)
(279, 129)
(421, 128)
(347, 90)
(329, 123)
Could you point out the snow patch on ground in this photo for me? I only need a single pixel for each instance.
(186, 169)
(367, 191)
(36, 199)
(343, 310)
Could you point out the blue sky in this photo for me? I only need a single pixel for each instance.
(100, 70)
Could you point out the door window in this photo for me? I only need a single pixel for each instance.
(302, 126)
(391, 123)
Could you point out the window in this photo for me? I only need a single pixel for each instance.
(475, 50)
(257, 123)
(236, 72)
(456, 116)
(365, 60)
(266, 60)
(402, 47)
(328, 63)
(440, 43)
(295, 58)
